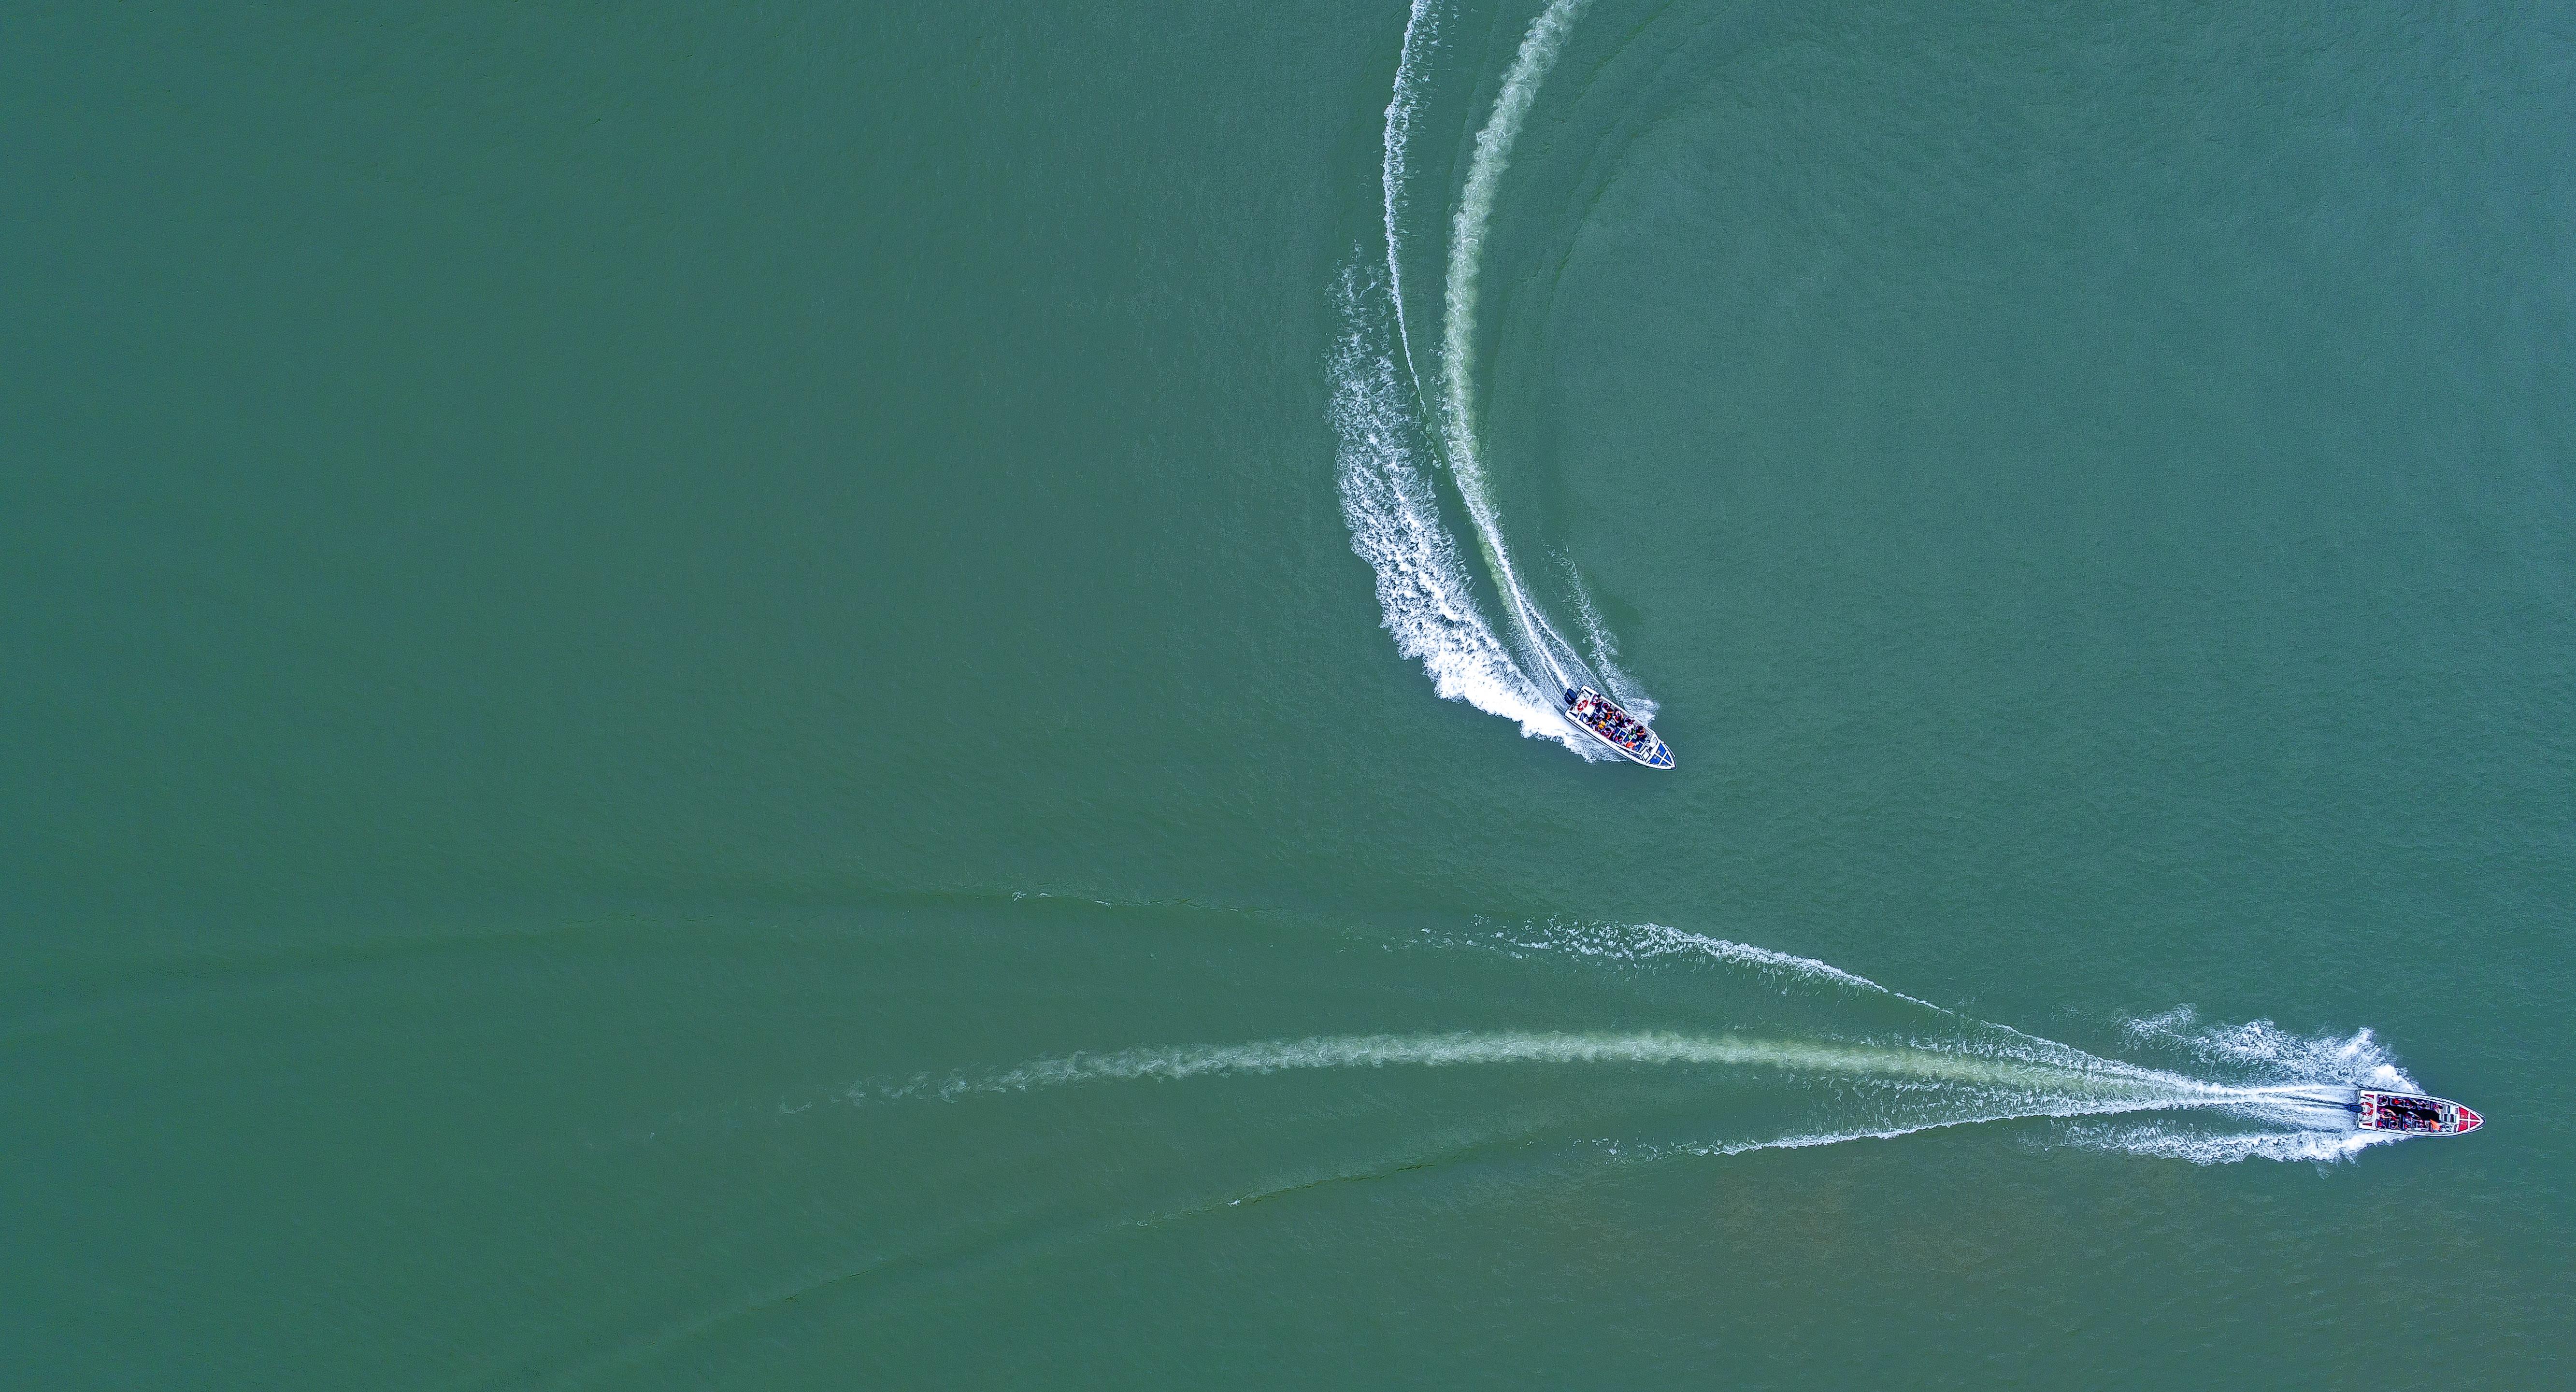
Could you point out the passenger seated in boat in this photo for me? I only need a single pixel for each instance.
(2408, 1114)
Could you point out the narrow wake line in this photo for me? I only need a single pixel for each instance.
(1810, 1141)
(2085, 1129)
(1645, 941)
(1421, 32)
(1602, 649)
(2098, 1080)
(1638, 941)
(1475, 212)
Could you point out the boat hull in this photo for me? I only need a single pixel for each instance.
(2412, 1114)
(1601, 718)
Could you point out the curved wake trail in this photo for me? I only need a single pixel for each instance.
(2106, 1086)
(1422, 589)
(1388, 448)
(1421, 33)
(1538, 53)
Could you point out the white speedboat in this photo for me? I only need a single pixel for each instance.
(2422, 1116)
(1600, 717)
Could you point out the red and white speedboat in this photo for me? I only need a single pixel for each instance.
(2422, 1116)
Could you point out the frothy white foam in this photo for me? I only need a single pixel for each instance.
(1422, 590)
(2261, 1049)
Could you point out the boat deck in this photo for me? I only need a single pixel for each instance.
(2423, 1116)
(1602, 718)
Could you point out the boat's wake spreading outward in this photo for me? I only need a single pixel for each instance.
(1388, 440)
(2258, 1092)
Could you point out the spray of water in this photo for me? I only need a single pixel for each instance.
(1423, 590)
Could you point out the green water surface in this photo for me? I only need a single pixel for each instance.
(586, 591)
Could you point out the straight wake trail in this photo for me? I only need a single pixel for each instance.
(2261, 1093)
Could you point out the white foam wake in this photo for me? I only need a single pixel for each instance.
(1428, 602)
(2261, 1049)
(1467, 227)
(2094, 1085)
(2268, 1093)
(1929, 1087)
(2243, 1092)
(1421, 34)
(1422, 590)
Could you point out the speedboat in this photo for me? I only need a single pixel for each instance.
(2423, 1116)
(1600, 717)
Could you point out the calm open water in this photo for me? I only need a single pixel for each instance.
(753, 695)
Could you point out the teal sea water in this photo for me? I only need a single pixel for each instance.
(814, 696)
